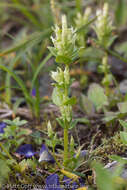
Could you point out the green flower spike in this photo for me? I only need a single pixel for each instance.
(64, 48)
(80, 21)
(103, 27)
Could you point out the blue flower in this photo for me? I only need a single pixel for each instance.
(33, 93)
(26, 150)
(2, 126)
(69, 184)
(81, 182)
(52, 182)
(45, 155)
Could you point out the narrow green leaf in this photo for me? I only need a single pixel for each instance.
(17, 103)
(63, 59)
(71, 101)
(39, 69)
(60, 121)
(25, 10)
(83, 120)
(118, 159)
(31, 41)
(19, 81)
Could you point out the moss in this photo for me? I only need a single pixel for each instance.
(110, 146)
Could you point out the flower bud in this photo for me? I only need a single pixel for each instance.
(61, 77)
(50, 131)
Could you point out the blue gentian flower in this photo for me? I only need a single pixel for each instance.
(45, 155)
(52, 182)
(73, 185)
(81, 182)
(2, 126)
(26, 150)
(69, 184)
(33, 93)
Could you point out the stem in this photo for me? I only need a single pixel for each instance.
(65, 145)
(8, 82)
(66, 127)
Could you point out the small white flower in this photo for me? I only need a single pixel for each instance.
(58, 76)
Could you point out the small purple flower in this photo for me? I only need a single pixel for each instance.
(69, 184)
(45, 155)
(33, 93)
(2, 126)
(52, 182)
(73, 185)
(84, 153)
(81, 182)
(26, 150)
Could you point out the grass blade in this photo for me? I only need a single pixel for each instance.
(33, 39)
(39, 68)
(19, 81)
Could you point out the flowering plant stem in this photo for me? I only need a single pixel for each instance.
(66, 52)
(65, 145)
